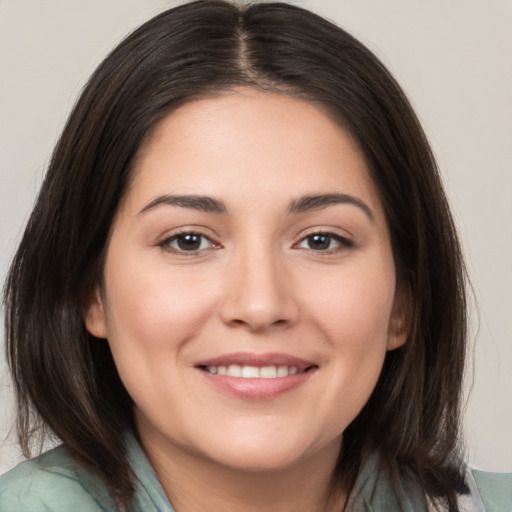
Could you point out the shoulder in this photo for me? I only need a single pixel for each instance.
(495, 490)
(375, 490)
(53, 482)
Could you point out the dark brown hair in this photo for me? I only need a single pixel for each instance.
(66, 381)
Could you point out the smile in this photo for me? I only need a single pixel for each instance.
(252, 376)
(254, 372)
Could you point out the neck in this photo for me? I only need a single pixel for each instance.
(195, 484)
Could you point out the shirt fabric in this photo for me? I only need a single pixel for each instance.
(54, 482)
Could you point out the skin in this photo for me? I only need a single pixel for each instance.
(255, 284)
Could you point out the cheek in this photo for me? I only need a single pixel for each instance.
(352, 308)
(158, 309)
(354, 305)
(152, 319)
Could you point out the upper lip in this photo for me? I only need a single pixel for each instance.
(258, 360)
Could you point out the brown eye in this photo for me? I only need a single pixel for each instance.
(187, 242)
(319, 242)
(324, 242)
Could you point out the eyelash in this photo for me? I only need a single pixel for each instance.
(342, 242)
(177, 237)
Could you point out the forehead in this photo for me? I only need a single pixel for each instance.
(250, 145)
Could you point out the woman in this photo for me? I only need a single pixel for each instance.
(240, 287)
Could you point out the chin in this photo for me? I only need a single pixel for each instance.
(269, 454)
(260, 461)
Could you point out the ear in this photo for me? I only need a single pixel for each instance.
(400, 321)
(94, 315)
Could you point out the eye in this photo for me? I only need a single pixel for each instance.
(324, 242)
(187, 242)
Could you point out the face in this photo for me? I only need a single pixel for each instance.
(249, 293)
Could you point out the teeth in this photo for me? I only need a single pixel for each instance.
(234, 370)
(282, 371)
(249, 372)
(268, 372)
(254, 372)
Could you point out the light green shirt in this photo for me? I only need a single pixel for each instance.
(54, 482)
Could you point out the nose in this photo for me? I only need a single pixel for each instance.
(259, 292)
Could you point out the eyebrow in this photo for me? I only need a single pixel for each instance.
(303, 204)
(317, 202)
(200, 203)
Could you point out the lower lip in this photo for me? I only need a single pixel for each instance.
(257, 388)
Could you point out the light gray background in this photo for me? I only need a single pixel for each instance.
(453, 58)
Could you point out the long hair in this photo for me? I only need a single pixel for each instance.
(65, 380)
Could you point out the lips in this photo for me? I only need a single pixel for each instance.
(256, 376)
